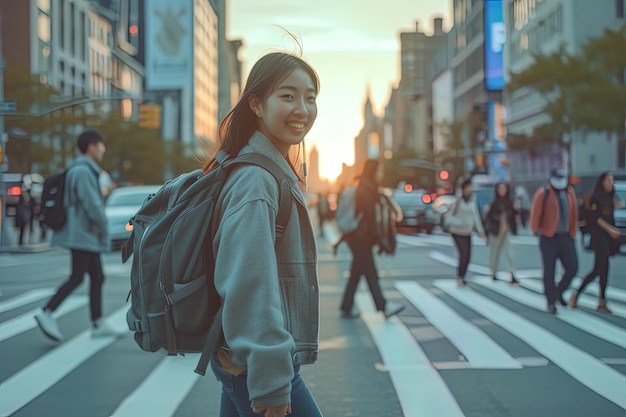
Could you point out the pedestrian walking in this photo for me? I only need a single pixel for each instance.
(500, 224)
(461, 223)
(84, 234)
(362, 241)
(554, 216)
(24, 215)
(323, 210)
(604, 236)
(522, 204)
(270, 292)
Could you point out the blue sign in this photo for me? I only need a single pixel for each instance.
(495, 37)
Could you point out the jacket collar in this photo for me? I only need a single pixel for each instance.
(82, 159)
(259, 143)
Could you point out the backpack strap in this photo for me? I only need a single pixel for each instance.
(282, 218)
(284, 204)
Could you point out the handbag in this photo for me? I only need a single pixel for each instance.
(450, 219)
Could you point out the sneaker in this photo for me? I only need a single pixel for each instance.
(552, 309)
(48, 325)
(104, 330)
(392, 310)
(513, 281)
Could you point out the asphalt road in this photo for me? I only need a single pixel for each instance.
(485, 350)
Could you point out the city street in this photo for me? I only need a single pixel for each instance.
(486, 350)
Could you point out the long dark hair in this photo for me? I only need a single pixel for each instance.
(507, 195)
(598, 188)
(265, 76)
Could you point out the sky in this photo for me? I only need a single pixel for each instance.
(352, 44)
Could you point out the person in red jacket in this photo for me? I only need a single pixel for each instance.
(553, 216)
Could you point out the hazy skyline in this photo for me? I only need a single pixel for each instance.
(351, 44)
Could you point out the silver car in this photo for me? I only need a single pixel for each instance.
(122, 204)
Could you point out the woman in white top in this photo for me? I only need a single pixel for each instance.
(465, 219)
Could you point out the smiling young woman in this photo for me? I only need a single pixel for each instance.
(270, 314)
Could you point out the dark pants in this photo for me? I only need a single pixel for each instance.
(235, 400)
(602, 248)
(83, 261)
(362, 264)
(464, 247)
(560, 246)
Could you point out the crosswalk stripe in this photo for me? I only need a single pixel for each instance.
(478, 348)
(579, 319)
(26, 321)
(588, 370)
(584, 300)
(25, 298)
(24, 386)
(614, 293)
(412, 240)
(160, 394)
(420, 389)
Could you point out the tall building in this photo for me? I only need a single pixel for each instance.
(368, 143)
(408, 123)
(541, 27)
(181, 68)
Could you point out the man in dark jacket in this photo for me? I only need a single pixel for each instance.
(84, 234)
(554, 216)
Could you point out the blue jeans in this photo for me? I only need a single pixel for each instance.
(235, 400)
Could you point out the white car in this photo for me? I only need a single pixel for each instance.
(122, 204)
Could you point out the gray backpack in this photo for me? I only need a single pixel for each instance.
(174, 304)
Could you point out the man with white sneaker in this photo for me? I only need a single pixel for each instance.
(84, 234)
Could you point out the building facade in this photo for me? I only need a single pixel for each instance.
(541, 27)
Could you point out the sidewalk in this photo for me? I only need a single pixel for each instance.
(32, 244)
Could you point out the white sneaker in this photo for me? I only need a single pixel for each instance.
(104, 330)
(48, 325)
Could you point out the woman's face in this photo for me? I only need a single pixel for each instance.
(287, 115)
(501, 190)
(607, 183)
(467, 190)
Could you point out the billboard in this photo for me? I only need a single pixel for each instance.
(498, 158)
(495, 37)
(168, 43)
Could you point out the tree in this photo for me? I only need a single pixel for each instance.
(604, 100)
(558, 78)
(140, 156)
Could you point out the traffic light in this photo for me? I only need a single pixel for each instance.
(444, 175)
(149, 116)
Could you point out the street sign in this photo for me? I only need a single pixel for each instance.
(8, 106)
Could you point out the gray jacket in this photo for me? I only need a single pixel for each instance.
(86, 226)
(271, 297)
(466, 218)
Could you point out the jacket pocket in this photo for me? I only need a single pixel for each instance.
(289, 296)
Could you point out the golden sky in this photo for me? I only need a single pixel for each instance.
(350, 43)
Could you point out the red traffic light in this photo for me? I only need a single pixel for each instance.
(15, 191)
(444, 175)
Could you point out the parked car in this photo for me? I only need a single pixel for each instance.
(122, 204)
(417, 211)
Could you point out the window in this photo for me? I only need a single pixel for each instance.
(62, 24)
(72, 30)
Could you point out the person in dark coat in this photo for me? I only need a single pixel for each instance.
(500, 224)
(604, 236)
(23, 215)
(362, 242)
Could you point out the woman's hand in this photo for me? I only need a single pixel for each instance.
(614, 233)
(279, 411)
